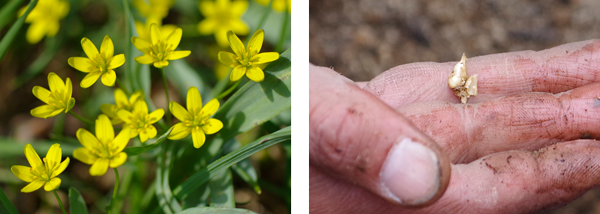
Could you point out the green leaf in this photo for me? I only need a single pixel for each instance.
(203, 175)
(76, 202)
(221, 190)
(12, 32)
(211, 210)
(184, 76)
(8, 12)
(244, 168)
(5, 205)
(163, 191)
(131, 151)
(14, 148)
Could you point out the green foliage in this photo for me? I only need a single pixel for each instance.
(5, 205)
(12, 32)
(77, 204)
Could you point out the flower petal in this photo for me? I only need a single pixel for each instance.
(140, 106)
(193, 101)
(87, 139)
(104, 129)
(145, 59)
(255, 74)
(121, 141)
(109, 110)
(107, 48)
(236, 44)
(151, 131)
(161, 64)
(212, 126)
(62, 167)
(262, 58)
(56, 83)
(117, 61)
(179, 112)
(143, 136)
(221, 37)
(68, 90)
(53, 184)
(84, 155)
(54, 155)
(33, 158)
(141, 44)
(256, 42)
(118, 160)
(155, 35)
(99, 167)
(198, 137)
(239, 27)
(42, 94)
(174, 38)
(178, 55)
(89, 48)
(90, 79)
(125, 115)
(237, 73)
(70, 105)
(33, 186)
(180, 131)
(36, 31)
(207, 26)
(207, 8)
(210, 108)
(108, 78)
(155, 116)
(45, 111)
(228, 59)
(22, 172)
(121, 98)
(81, 64)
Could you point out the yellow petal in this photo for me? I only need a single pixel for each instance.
(33, 158)
(210, 108)
(62, 167)
(141, 44)
(36, 32)
(56, 83)
(198, 137)
(89, 48)
(239, 27)
(236, 44)
(155, 35)
(179, 112)
(85, 155)
(145, 59)
(212, 126)
(207, 8)
(238, 7)
(52, 28)
(118, 160)
(121, 98)
(255, 74)
(109, 109)
(42, 94)
(108, 78)
(228, 59)
(155, 116)
(237, 73)
(107, 48)
(81, 64)
(70, 105)
(22, 172)
(54, 155)
(174, 38)
(88, 140)
(139, 94)
(117, 61)
(68, 89)
(221, 37)
(178, 55)
(151, 132)
(207, 26)
(45, 111)
(132, 132)
(99, 167)
(262, 58)
(120, 142)
(256, 42)
(104, 130)
(143, 136)
(140, 106)
(33, 186)
(90, 79)
(53, 184)
(161, 64)
(125, 115)
(193, 101)
(179, 131)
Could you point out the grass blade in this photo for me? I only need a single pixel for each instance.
(12, 32)
(76, 202)
(221, 190)
(211, 210)
(6, 13)
(5, 205)
(131, 151)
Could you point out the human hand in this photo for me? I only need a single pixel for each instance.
(512, 149)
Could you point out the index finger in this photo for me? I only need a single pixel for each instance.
(552, 70)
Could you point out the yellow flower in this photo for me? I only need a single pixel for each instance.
(156, 10)
(222, 16)
(144, 29)
(246, 61)
(45, 19)
(139, 121)
(159, 49)
(196, 119)
(278, 5)
(103, 150)
(121, 103)
(57, 99)
(98, 63)
(41, 173)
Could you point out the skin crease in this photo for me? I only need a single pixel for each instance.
(512, 149)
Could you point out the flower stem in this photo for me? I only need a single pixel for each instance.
(59, 202)
(123, 87)
(114, 195)
(283, 28)
(225, 93)
(86, 121)
(168, 115)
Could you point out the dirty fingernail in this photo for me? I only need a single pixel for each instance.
(410, 173)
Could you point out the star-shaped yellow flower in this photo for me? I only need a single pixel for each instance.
(155, 10)
(103, 150)
(278, 5)
(57, 99)
(144, 29)
(98, 63)
(196, 119)
(246, 61)
(139, 121)
(41, 173)
(45, 19)
(222, 16)
(159, 49)
(121, 103)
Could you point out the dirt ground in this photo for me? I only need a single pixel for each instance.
(363, 38)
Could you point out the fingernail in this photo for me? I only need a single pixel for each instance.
(410, 173)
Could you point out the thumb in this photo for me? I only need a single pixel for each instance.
(357, 138)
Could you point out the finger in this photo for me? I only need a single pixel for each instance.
(525, 121)
(357, 138)
(508, 182)
(553, 70)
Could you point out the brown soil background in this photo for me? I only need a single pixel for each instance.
(363, 38)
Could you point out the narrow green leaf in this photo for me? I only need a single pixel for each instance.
(184, 77)
(130, 50)
(14, 148)
(221, 190)
(131, 151)
(76, 202)
(244, 168)
(203, 175)
(12, 32)
(5, 205)
(211, 210)
(8, 12)
(163, 190)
